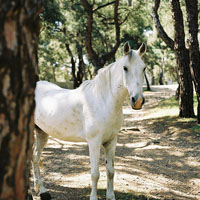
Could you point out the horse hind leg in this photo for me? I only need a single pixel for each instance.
(40, 141)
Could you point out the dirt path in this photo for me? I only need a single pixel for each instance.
(156, 158)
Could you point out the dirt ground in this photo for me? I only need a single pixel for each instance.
(156, 158)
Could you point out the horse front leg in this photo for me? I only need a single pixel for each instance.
(109, 150)
(94, 150)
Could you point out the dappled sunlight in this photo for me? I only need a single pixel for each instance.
(134, 145)
(156, 158)
(176, 153)
(156, 147)
(169, 161)
(158, 113)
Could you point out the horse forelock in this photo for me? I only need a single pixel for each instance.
(130, 54)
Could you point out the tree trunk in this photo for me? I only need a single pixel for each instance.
(73, 63)
(152, 75)
(147, 82)
(54, 74)
(153, 80)
(19, 25)
(177, 94)
(182, 59)
(182, 56)
(192, 18)
(99, 61)
(161, 76)
(80, 72)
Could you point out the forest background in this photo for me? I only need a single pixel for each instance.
(63, 56)
(78, 38)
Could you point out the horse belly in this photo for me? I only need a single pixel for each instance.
(68, 131)
(60, 121)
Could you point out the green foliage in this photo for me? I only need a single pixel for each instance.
(172, 102)
(169, 108)
(51, 13)
(168, 103)
(64, 22)
(196, 129)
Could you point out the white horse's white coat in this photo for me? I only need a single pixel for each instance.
(90, 113)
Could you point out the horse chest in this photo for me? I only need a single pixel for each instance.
(103, 124)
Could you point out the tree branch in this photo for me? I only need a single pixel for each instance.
(99, 61)
(88, 41)
(102, 6)
(117, 33)
(124, 20)
(161, 32)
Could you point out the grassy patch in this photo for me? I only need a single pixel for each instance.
(169, 108)
(168, 103)
(196, 128)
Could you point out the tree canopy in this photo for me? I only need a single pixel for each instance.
(79, 37)
(64, 40)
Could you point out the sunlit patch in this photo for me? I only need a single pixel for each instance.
(158, 113)
(176, 153)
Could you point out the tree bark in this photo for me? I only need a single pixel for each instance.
(161, 78)
(76, 74)
(147, 82)
(73, 63)
(19, 25)
(192, 18)
(182, 59)
(81, 65)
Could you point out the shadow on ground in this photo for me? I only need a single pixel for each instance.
(68, 193)
(165, 166)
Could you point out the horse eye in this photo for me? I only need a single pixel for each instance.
(125, 69)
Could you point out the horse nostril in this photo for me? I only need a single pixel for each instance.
(133, 100)
(143, 100)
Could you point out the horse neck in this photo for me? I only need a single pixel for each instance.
(117, 90)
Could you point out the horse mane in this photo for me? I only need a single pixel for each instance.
(103, 78)
(100, 81)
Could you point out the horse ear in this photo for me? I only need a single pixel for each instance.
(127, 48)
(142, 49)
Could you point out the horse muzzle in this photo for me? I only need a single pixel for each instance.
(137, 102)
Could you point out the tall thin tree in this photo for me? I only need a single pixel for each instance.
(192, 18)
(186, 108)
(182, 59)
(19, 25)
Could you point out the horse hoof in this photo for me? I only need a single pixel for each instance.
(45, 196)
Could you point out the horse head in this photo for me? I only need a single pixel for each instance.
(133, 74)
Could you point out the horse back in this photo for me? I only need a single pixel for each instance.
(58, 111)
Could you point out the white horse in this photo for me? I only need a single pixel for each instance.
(91, 113)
